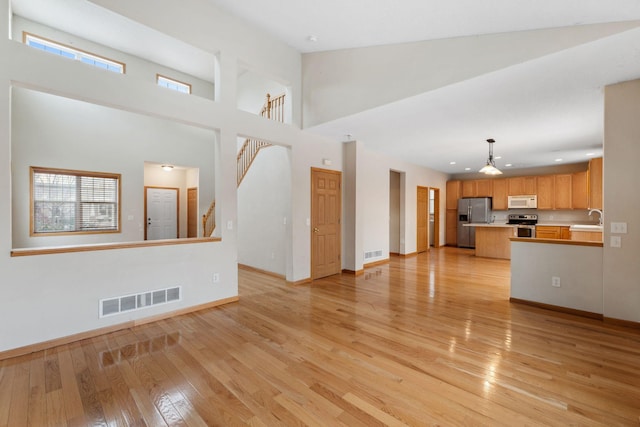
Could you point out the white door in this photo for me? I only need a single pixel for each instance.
(162, 213)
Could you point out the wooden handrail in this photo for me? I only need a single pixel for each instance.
(209, 220)
(273, 108)
(247, 155)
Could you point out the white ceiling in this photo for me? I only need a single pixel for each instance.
(537, 111)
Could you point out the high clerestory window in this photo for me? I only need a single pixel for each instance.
(173, 84)
(68, 201)
(73, 53)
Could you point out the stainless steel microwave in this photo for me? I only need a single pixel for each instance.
(523, 202)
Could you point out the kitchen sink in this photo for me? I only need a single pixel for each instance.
(585, 227)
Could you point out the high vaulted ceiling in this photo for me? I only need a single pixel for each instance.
(543, 111)
(540, 109)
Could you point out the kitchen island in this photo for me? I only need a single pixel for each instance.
(564, 275)
(492, 240)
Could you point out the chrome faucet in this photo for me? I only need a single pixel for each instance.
(600, 212)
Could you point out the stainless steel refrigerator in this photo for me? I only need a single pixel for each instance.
(472, 210)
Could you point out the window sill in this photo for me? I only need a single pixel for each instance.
(109, 246)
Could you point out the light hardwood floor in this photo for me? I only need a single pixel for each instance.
(425, 340)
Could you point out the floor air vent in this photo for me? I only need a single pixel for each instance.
(111, 306)
(373, 254)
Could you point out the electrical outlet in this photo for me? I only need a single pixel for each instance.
(216, 277)
(555, 281)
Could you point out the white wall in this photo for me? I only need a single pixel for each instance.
(253, 89)
(136, 68)
(366, 203)
(57, 132)
(622, 200)
(578, 267)
(264, 208)
(203, 25)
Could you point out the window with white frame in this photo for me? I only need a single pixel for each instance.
(68, 201)
(173, 84)
(72, 53)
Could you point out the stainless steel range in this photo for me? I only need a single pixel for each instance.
(525, 224)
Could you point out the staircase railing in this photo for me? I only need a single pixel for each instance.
(209, 220)
(272, 109)
(247, 155)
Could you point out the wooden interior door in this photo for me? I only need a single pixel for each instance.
(436, 217)
(422, 234)
(192, 212)
(326, 208)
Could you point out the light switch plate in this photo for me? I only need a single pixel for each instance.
(229, 225)
(616, 242)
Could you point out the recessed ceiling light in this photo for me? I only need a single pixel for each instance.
(312, 38)
(558, 160)
(497, 157)
(591, 154)
(452, 163)
(508, 165)
(467, 169)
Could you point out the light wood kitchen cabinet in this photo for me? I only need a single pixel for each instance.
(521, 185)
(499, 194)
(451, 232)
(580, 190)
(469, 188)
(545, 188)
(552, 232)
(483, 188)
(587, 236)
(595, 183)
(562, 195)
(453, 194)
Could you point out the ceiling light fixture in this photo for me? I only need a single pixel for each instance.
(490, 168)
(167, 168)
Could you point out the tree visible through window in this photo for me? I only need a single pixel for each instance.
(65, 201)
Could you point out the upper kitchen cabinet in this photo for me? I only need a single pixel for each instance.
(595, 183)
(469, 188)
(484, 188)
(562, 199)
(476, 188)
(499, 194)
(521, 185)
(580, 190)
(453, 194)
(545, 187)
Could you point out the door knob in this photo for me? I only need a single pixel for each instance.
(316, 229)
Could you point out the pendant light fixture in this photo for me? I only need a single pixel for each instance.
(490, 168)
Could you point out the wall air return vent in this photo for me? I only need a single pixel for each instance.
(127, 303)
(373, 254)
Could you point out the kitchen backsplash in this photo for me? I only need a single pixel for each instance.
(544, 216)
